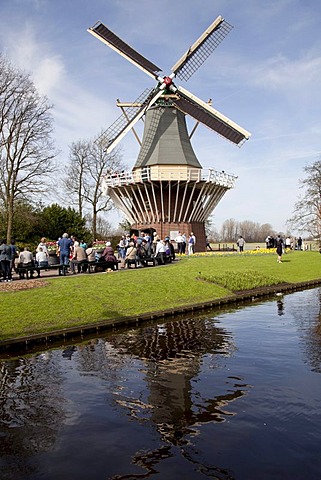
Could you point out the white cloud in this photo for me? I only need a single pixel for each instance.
(48, 74)
(46, 68)
(283, 73)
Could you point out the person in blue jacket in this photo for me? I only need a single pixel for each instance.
(65, 244)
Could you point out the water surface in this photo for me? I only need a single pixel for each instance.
(227, 395)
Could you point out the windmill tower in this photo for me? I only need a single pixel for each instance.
(168, 190)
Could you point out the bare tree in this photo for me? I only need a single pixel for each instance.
(265, 230)
(104, 228)
(89, 162)
(26, 148)
(249, 230)
(76, 171)
(307, 210)
(229, 230)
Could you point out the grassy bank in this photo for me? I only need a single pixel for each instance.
(81, 299)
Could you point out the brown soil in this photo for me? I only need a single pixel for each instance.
(22, 285)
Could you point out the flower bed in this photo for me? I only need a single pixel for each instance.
(52, 247)
(99, 245)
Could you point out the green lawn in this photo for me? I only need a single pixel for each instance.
(82, 299)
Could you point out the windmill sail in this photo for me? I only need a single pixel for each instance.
(113, 135)
(108, 37)
(208, 116)
(196, 55)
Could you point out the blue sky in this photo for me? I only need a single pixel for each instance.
(265, 76)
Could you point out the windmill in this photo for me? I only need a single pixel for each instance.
(167, 189)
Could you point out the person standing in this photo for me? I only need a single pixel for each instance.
(169, 248)
(268, 242)
(154, 242)
(279, 248)
(288, 242)
(147, 237)
(130, 254)
(208, 245)
(240, 243)
(194, 241)
(300, 243)
(64, 245)
(43, 245)
(179, 241)
(191, 244)
(5, 261)
(14, 254)
(184, 243)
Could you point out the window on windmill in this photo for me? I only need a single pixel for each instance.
(147, 205)
(145, 173)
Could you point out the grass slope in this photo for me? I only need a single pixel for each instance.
(82, 299)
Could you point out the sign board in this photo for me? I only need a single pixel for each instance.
(173, 234)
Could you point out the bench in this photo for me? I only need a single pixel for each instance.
(23, 271)
(94, 266)
(147, 261)
(140, 262)
(132, 261)
(167, 259)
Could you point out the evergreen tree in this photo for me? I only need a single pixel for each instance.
(56, 220)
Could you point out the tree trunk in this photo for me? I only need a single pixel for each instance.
(9, 220)
(94, 225)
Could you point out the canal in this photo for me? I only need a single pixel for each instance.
(230, 394)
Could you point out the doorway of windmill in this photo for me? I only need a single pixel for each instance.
(137, 233)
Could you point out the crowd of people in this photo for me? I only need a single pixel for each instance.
(185, 244)
(277, 242)
(130, 249)
(141, 248)
(76, 254)
(287, 241)
(282, 244)
(69, 250)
